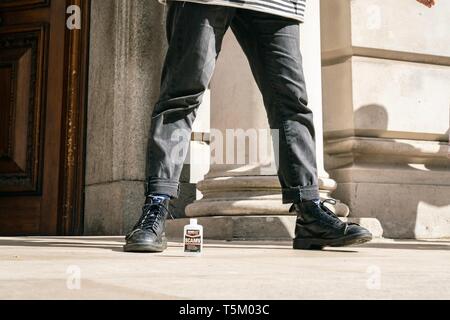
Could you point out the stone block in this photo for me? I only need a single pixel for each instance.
(113, 208)
(378, 28)
(379, 97)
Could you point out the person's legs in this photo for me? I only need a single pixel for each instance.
(272, 45)
(195, 34)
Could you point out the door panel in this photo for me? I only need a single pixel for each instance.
(20, 4)
(37, 75)
(21, 64)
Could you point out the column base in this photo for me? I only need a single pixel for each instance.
(255, 228)
(407, 211)
(250, 208)
(403, 183)
(250, 195)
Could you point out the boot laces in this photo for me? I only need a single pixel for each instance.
(330, 216)
(152, 216)
(334, 218)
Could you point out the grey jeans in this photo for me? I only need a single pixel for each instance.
(272, 46)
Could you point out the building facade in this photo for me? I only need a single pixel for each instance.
(378, 78)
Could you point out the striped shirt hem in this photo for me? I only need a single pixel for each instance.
(286, 8)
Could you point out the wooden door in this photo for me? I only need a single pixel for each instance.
(42, 86)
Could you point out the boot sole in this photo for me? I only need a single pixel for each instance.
(145, 247)
(319, 244)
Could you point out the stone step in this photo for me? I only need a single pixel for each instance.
(233, 228)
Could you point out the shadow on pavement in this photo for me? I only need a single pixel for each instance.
(116, 244)
(410, 245)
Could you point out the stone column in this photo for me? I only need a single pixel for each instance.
(128, 45)
(386, 96)
(243, 198)
(126, 55)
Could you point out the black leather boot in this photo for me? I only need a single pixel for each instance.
(148, 234)
(318, 227)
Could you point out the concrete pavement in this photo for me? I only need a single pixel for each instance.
(96, 268)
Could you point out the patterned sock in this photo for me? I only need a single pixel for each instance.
(157, 198)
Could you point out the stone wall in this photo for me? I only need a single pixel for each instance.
(386, 81)
(127, 50)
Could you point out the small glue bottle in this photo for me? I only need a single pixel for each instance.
(193, 239)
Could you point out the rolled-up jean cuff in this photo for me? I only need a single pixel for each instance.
(300, 194)
(160, 186)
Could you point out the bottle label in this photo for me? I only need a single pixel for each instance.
(193, 241)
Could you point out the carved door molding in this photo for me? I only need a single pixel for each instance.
(43, 77)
